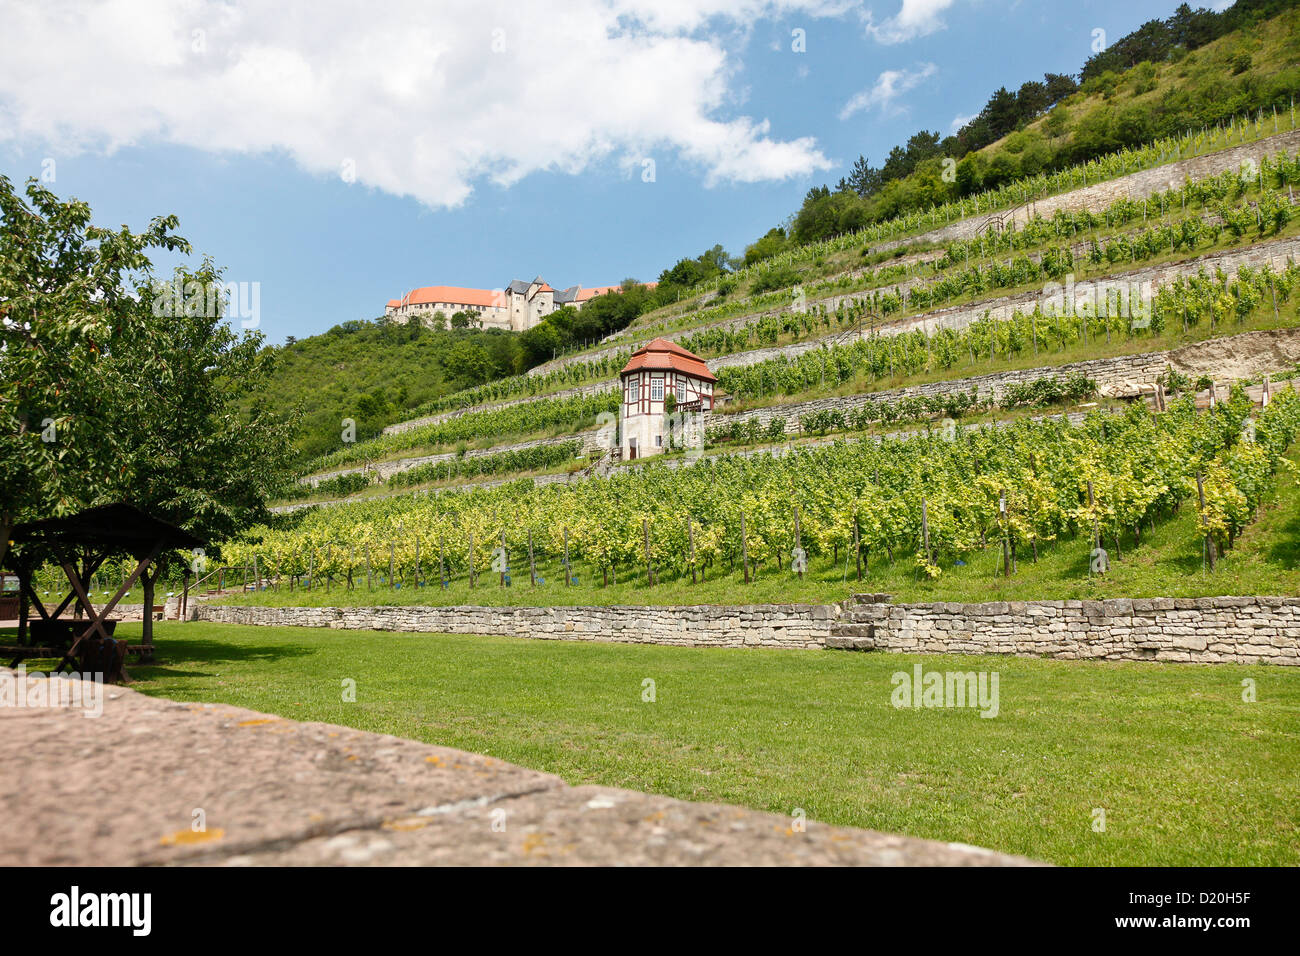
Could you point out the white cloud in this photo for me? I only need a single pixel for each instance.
(888, 87)
(959, 121)
(916, 18)
(414, 95)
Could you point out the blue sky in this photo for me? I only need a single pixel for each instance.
(472, 165)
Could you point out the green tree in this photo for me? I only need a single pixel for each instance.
(66, 317)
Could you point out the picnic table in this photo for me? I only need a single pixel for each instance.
(79, 544)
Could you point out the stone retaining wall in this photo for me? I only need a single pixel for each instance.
(1127, 376)
(386, 469)
(774, 625)
(1239, 630)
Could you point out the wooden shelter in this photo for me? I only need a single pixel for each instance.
(79, 544)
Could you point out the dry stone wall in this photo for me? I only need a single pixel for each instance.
(1240, 630)
(1277, 253)
(1251, 354)
(772, 625)
(386, 469)
(580, 390)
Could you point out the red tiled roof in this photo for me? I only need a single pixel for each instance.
(453, 295)
(662, 354)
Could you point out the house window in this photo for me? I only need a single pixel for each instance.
(659, 441)
(656, 390)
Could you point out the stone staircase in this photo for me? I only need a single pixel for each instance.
(856, 630)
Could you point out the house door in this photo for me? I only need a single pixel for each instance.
(631, 449)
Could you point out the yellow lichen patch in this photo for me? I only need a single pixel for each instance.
(533, 841)
(404, 824)
(655, 817)
(436, 761)
(353, 757)
(188, 837)
(258, 722)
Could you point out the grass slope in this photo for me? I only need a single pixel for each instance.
(1187, 772)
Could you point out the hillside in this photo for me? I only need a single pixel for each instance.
(377, 374)
(373, 372)
(1178, 86)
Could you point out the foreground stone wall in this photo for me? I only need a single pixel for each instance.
(772, 625)
(1240, 630)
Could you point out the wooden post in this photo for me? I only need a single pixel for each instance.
(649, 568)
(690, 540)
(185, 593)
(568, 572)
(1210, 549)
(147, 579)
(1096, 528)
(311, 570)
(471, 559)
(257, 585)
(744, 548)
(857, 545)
(392, 562)
(925, 532)
(24, 586)
(504, 562)
(798, 535)
(417, 564)
(532, 563)
(370, 580)
(1006, 534)
(1273, 292)
(442, 561)
(1265, 395)
(352, 560)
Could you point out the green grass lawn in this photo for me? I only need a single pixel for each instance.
(1168, 563)
(1186, 771)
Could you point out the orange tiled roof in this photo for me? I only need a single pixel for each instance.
(453, 295)
(662, 354)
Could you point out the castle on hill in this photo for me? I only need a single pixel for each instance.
(517, 307)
